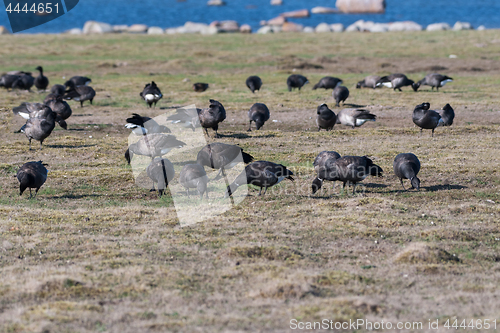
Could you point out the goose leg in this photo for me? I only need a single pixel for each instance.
(260, 191)
(432, 135)
(250, 126)
(354, 188)
(30, 143)
(401, 179)
(187, 190)
(30, 194)
(41, 145)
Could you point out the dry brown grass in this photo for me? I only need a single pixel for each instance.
(94, 252)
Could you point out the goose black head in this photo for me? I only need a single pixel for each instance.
(316, 185)
(415, 183)
(423, 106)
(415, 86)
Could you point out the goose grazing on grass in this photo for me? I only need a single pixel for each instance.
(41, 121)
(354, 117)
(347, 169)
(153, 145)
(190, 117)
(296, 81)
(221, 156)
(447, 114)
(151, 93)
(340, 94)
(58, 89)
(160, 171)
(368, 82)
(407, 166)
(326, 118)
(28, 110)
(394, 81)
(253, 83)
(320, 166)
(433, 80)
(194, 176)
(78, 81)
(212, 116)
(425, 118)
(263, 174)
(24, 82)
(258, 113)
(7, 80)
(79, 93)
(200, 87)
(31, 175)
(41, 81)
(328, 82)
(145, 125)
(60, 107)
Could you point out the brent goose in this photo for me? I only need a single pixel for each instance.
(368, 82)
(212, 116)
(394, 81)
(58, 89)
(7, 80)
(153, 145)
(296, 81)
(151, 93)
(190, 117)
(160, 171)
(259, 113)
(263, 174)
(194, 176)
(320, 165)
(340, 94)
(200, 87)
(328, 82)
(447, 114)
(354, 117)
(41, 81)
(221, 156)
(425, 118)
(41, 121)
(326, 118)
(60, 107)
(145, 125)
(24, 82)
(31, 175)
(78, 81)
(79, 93)
(433, 80)
(253, 83)
(407, 166)
(28, 110)
(347, 169)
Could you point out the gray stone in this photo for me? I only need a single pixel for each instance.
(360, 6)
(228, 26)
(74, 31)
(481, 28)
(405, 26)
(276, 2)
(193, 28)
(323, 27)
(155, 31)
(120, 28)
(323, 10)
(4, 30)
(246, 29)
(462, 26)
(266, 29)
(438, 27)
(93, 27)
(337, 27)
(379, 27)
(308, 30)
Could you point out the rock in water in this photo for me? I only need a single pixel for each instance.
(361, 6)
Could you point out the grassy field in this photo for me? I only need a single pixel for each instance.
(96, 253)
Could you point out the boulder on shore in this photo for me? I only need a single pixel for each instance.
(337, 27)
(323, 27)
(4, 30)
(462, 26)
(138, 29)
(155, 31)
(438, 27)
(93, 27)
(361, 6)
(280, 20)
(246, 29)
(405, 26)
(292, 27)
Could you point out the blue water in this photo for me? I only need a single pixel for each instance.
(170, 13)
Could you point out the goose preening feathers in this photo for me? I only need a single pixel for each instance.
(253, 83)
(151, 93)
(41, 121)
(263, 174)
(447, 114)
(425, 118)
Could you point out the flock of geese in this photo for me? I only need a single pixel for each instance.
(156, 140)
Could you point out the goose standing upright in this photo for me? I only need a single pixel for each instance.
(31, 175)
(253, 83)
(258, 113)
(41, 81)
(407, 166)
(211, 117)
(425, 118)
(263, 174)
(325, 118)
(41, 121)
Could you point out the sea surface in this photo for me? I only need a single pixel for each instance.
(171, 13)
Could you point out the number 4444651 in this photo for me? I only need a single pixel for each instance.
(472, 324)
(35, 8)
